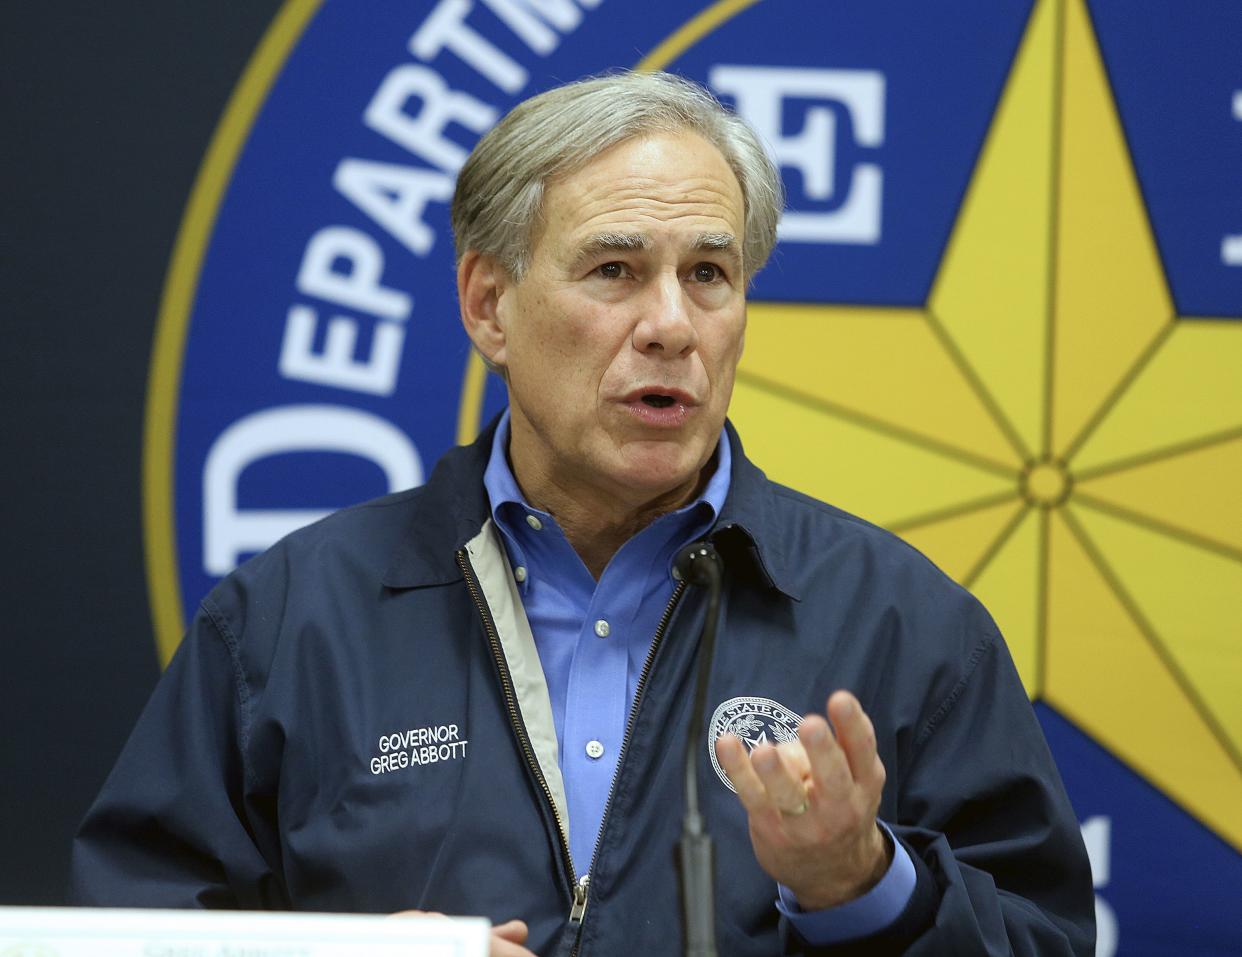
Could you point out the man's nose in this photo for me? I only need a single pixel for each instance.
(666, 326)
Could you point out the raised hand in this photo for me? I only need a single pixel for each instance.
(812, 805)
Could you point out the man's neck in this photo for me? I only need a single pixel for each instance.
(595, 522)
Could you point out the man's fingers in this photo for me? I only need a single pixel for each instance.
(793, 755)
(514, 931)
(738, 765)
(506, 948)
(856, 737)
(820, 767)
(830, 772)
(785, 788)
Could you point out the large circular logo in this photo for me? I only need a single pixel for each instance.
(997, 320)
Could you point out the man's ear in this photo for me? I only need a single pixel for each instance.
(481, 281)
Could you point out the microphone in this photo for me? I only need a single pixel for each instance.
(699, 564)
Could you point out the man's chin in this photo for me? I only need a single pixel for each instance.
(657, 469)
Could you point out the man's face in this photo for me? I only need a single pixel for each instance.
(621, 341)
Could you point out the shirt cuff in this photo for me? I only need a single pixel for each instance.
(861, 917)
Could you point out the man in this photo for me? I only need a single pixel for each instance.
(471, 697)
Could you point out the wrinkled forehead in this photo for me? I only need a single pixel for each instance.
(656, 188)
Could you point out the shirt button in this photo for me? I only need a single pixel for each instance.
(594, 750)
(533, 522)
(520, 573)
(601, 628)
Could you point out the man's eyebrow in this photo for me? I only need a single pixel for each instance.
(718, 242)
(715, 241)
(610, 243)
(604, 243)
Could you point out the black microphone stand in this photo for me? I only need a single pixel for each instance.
(699, 564)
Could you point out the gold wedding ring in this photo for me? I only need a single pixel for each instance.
(796, 812)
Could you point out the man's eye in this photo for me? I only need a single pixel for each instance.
(706, 272)
(612, 270)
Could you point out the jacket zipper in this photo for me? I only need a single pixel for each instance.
(578, 908)
(578, 888)
(625, 744)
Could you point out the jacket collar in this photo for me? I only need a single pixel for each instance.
(453, 506)
(752, 537)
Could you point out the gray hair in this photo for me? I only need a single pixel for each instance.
(498, 202)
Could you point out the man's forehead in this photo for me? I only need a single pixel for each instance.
(656, 176)
(667, 190)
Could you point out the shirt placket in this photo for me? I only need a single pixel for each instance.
(594, 719)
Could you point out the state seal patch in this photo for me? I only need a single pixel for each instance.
(756, 721)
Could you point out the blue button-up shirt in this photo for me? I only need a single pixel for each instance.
(593, 639)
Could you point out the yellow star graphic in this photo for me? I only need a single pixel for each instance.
(1047, 429)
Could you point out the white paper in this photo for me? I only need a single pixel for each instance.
(112, 932)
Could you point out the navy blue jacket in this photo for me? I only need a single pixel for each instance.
(354, 723)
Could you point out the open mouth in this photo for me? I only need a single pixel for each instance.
(659, 409)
